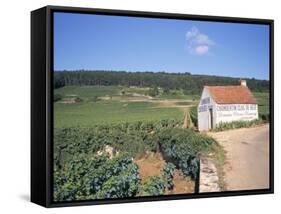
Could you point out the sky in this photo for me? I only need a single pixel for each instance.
(98, 42)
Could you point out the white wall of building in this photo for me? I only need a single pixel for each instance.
(222, 112)
(204, 118)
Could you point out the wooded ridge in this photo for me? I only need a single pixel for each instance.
(168, 81)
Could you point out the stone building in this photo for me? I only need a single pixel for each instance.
(226, 104)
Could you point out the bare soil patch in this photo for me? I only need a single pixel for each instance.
(182, 185)
(151, 164)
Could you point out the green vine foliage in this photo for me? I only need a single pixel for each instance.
(96, 178)
(182, 148)
(153, 186)
(83, 172)
(134, 138)
(124, 185)
(167, 174)
(194, 115)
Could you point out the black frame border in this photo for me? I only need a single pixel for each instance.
(48, 92)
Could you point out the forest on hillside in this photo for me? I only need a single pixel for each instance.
(191, 83)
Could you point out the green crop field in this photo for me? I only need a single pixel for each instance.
(87, 114)
(179, 94)
(263, 102)
(93, 110)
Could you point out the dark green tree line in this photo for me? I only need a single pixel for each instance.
(168, 81)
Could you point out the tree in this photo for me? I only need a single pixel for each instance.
(153, 92)
(167, 81)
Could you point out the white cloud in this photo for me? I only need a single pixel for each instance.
(202, 49)
(192, 33)
(198, 43)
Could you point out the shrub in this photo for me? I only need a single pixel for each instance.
(265, 117)
(186, 92)
(167, 174)
(153, 186)
(133, 138)
(166, 90)
(77, 100)
(194, 115)
(85, 178)
(237, 124)
(124, 185)
(153, 92)
(182, 147)
(57, 97)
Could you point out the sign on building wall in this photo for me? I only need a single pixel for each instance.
(237, 111)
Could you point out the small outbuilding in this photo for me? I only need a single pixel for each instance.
(226, 104)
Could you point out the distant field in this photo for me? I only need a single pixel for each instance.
(263, 102)
(178, 94)
(88, 92)
(115, 104)
(115, 109)
(106, 112)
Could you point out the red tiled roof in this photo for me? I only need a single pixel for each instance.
(232, 94)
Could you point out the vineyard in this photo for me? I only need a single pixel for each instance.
(84, 169)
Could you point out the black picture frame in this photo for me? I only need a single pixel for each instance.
(42, 108)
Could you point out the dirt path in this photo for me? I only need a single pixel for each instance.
(247, 157)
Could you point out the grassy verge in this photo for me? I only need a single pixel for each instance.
(237, 124)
